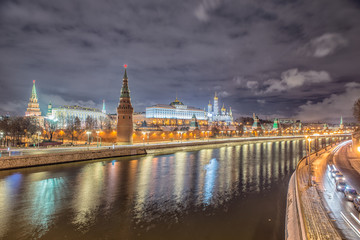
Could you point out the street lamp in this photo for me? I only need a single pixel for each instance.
(97, 138)
(181, 133)
(88, 134)
(144, 135)
(1, 136)
(316, 142)
(38, 133)
(309, 160)
(358, 149)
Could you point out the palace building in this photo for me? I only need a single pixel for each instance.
(214, 115)
(61, 114)
(174, 114)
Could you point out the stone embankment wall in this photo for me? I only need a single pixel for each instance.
(65, 157)
(118, 151)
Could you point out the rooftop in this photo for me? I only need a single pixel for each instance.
(75, 107)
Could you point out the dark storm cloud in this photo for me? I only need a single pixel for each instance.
(241, 49)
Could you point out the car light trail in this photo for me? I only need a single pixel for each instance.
(350, 224)
(356, 219)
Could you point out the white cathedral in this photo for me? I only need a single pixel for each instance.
(214, 115)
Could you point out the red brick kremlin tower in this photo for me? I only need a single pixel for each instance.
(125, 114)
(33, 105)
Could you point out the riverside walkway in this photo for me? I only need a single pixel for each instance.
(308, 216)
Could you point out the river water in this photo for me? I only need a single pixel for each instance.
(235, 192)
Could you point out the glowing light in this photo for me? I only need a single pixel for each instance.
(125, 65)
(33, 81)
(358, 149)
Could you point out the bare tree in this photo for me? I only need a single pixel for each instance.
(107, 124)
(101, 122)
(50, 127)
(73, 126)
(14, 129)
(89, 123)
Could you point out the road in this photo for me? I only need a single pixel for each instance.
(346, 218)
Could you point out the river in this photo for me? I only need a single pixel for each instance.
(234, 192)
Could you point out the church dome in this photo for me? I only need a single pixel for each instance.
(176, 102)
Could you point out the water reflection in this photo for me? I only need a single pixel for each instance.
(87, 195)
(133, 196)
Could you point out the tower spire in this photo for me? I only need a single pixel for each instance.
(341, 123)
(104, 109)
(33, 108)
(33, 92)
(125, 114)
(125, 74)
(125, 92)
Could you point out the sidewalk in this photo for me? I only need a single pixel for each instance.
(317, 222)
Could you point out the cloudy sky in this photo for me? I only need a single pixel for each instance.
(284, 58)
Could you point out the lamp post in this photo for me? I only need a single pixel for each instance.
(309, 160)
(88, 134)
(181, 133)
(38, 133)
(144, 133)
(1, 136)
(97, 138)
(316, 142)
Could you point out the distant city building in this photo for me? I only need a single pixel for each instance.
(176, 113)
(61, 114)
(125, 114)
(276, 125)
(256, 125)
(214, 115)
(33, 109)
(287, 121)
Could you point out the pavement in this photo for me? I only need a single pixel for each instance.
(317, 223)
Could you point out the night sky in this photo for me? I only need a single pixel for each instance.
(276, 58)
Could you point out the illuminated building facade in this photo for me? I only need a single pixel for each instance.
(33, 109)
(125, 114)
(176, 113)
(214, 115)
(61, 114)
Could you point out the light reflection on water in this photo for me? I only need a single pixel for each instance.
(210, 193)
